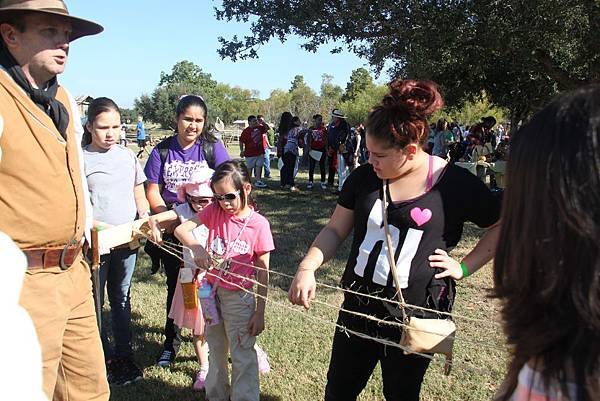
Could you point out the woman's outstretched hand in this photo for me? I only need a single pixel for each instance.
(441, 260)
(303, 288)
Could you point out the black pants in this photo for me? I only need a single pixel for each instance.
(171, 265)
(287, 172)
(312, 164)
(353, 360)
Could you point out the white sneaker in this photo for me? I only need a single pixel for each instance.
(260, 184)
(323, 185)
(309, 185)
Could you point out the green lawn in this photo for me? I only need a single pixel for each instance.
(298, 345)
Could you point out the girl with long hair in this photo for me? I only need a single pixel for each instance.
(547, 267)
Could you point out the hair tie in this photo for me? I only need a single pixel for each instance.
(184, 96)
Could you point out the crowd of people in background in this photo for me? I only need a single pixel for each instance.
(337, 148)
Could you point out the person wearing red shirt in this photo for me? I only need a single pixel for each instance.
(252, 149)
(318, 143)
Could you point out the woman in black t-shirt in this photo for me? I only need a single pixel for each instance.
(430, 202)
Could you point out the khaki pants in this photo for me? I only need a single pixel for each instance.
(232, 334)
(61, 306)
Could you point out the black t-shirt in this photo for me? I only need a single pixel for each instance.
(417, 227)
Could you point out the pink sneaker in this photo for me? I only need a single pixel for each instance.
(200, 380)
(263, 361)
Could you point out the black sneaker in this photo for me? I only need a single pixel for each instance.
(123, 371)
(130, 372)
(166, 358)
(112, 370)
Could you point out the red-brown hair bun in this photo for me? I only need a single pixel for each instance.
(401, 117)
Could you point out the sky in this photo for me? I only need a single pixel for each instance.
(141, 38)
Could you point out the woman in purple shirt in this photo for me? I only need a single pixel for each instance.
(170, 165)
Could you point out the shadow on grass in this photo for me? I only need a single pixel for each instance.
(152, 389)
(161, 383)
(296, 219)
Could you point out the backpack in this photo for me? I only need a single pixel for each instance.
(208, 149)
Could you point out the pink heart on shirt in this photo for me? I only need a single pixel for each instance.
(420, 216)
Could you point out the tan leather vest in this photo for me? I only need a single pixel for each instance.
(41, 197)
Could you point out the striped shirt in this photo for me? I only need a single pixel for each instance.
(531, 388)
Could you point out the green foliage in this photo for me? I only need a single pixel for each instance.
(228, 103)
(357, 110)
(471, 111)
(520, 52)
(271, 136)
(278, 102)
(233, 103)
(360, 81)
(298, 82)
(128, 115)
(330, 95)
(304, 101)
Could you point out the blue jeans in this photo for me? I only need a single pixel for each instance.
(267, 163)
(116, 270)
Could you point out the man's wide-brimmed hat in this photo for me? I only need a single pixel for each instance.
(337, 113)
(81, 27)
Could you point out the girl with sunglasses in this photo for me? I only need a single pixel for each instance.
(196, 194)
(241, 237)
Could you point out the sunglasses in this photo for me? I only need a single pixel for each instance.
(228, 197)
(198, 200)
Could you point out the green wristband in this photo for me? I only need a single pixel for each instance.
(464, 269)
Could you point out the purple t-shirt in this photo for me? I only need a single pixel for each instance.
(179, 165)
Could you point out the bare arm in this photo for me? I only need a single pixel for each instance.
(157, 203)
(485, 249)
(183, 232)
(257, 322)
(323, 248)
(141, 203)
(482, 253)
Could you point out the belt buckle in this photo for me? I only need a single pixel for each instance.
(72, 244)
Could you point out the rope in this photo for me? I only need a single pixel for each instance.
(362, 315)
(391, 301)
(383, 341)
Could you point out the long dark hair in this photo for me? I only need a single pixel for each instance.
(97, 106)
(195, 100)
(547, 266)
(401, 117)
(285, 123)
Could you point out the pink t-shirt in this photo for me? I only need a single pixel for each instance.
(254, 240)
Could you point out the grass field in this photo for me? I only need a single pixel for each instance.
(298, 345)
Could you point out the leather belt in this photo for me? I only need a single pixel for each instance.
(44, 258)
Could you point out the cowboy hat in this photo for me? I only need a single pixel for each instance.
(81, 27)
(337, 113)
